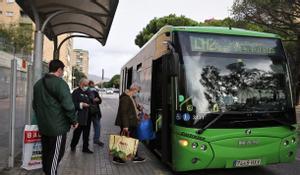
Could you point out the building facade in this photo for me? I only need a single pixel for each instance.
(9, 12)
(12, 14)
(80, 60)
(65, 55)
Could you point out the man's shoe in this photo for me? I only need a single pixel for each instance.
(138, 159)
(117, 160)
(99, 143)
(87, 151)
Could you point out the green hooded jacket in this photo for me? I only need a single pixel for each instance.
(54, 115)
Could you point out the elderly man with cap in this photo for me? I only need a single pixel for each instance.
(82, 103)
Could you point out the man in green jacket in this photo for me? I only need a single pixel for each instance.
(127, 118)
(55, 114)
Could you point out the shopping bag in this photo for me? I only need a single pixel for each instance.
(123, 147)
(32, 148)
(145, 128)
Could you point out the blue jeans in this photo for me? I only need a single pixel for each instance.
(97, 126)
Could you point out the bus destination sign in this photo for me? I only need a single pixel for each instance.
(232, 45)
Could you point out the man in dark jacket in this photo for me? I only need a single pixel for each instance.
(55, 113)
(95, 112)
(82, 103)
(127, 118)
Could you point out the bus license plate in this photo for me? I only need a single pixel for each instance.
(246, 163)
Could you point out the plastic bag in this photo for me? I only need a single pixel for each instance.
(145, 128)
(32, 148)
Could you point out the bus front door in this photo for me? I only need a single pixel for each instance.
(160, 108)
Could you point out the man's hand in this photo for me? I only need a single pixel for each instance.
(85, 105)
(140, 107)
(125, 132)
(75, 125)
(96, 99)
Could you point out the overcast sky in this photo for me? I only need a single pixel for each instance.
(131, 17)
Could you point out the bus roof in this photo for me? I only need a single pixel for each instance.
(222, 30)
(209, 29)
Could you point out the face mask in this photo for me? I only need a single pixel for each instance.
(85, 88)
(137, 95)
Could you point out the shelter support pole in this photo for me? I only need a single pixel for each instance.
(29, 94)
(38, 55)
(12, 120)
(55, 57)
(36, 61)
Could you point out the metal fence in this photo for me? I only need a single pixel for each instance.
(7, 56)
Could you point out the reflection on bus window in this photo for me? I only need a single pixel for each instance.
(233, 79)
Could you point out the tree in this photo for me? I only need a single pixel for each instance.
(18, 36)
(157, 23)
(115, 81)
(78, 76)
(238, 23)
(282, 17)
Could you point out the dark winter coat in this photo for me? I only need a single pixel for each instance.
(94, 94)
(80, 96)
(126, 116)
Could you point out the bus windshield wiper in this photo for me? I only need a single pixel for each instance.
(201, 130)
(283, 123)
(268, 118)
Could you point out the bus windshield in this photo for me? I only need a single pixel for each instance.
(224, 73)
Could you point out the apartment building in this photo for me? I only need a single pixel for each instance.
(80, 60)
(11, 13)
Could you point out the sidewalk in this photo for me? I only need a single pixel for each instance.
(99, 163)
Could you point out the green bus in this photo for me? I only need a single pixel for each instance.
(218, 97)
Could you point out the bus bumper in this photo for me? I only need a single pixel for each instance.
(194, 154)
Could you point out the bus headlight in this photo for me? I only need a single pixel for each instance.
(293, 140)
(194, 145)
(203, 147)
(286, 143)
(183, 143)
(195, 160)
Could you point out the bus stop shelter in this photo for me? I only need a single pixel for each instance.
(90, 18)
(52, 18)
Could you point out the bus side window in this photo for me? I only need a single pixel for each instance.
(129, 78)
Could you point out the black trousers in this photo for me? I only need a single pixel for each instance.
(53, 149)
(85, 130)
